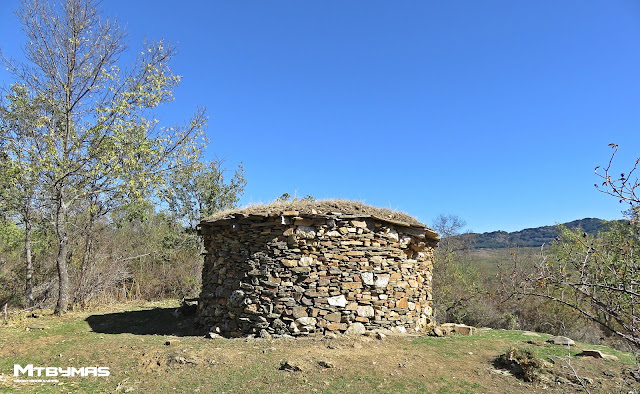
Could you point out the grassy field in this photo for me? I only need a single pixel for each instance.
(488, 261)
(148, 349)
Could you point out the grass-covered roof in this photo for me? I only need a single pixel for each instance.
(320, 207)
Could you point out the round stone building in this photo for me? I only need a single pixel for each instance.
(315, 267)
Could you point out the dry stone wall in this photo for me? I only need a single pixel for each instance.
(298, 273)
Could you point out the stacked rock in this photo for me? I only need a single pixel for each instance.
(299, 273)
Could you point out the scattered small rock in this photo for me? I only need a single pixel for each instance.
(167, 343)
(326, 364)
(36, 328)
(634, 373)
(609, 374)
(437, 332)
(501, 372)
(213, 335)
(288, 365)
(182, 360)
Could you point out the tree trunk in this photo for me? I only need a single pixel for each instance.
(63, 276)
(61, 258)
(28, 289)
(83, 290)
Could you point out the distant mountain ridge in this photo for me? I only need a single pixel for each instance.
(530, 237)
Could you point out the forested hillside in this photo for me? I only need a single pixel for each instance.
(531, 237)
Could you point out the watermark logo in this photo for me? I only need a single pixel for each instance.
(49, 374)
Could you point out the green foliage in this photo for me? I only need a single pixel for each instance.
(10, 236)
(82, 149)
(199, 190)
(80, 133)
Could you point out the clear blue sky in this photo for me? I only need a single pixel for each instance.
(496, 111)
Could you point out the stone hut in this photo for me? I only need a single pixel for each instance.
(303, 267)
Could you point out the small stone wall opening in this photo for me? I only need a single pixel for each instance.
(318, 267)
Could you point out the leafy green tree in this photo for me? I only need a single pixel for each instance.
(21, 171)
(196, 191)
(98, 139)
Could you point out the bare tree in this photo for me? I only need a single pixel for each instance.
(453, 280)
(599, 277)
(622, 187)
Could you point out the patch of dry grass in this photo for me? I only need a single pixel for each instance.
(149, 349)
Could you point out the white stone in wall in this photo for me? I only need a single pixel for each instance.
(382, 281)
(285, 220)
(340, 301)
(305, 261)
(307, 232)
(365, 311)
(399, 330)
(392, 234)
(405, 241)
(367, 277)
(306, 321)
(304, 324)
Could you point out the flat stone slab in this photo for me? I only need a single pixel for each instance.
(461, 329)
(560, 340)
(597, 354)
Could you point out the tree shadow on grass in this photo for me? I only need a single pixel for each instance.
(157, 321)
